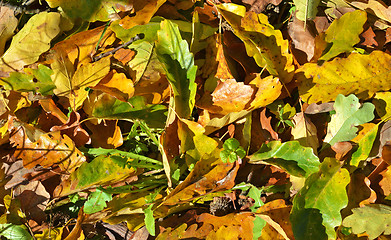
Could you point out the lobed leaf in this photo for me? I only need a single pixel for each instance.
(316, 208)
(349, 114)
(362, 75)
(373, 219)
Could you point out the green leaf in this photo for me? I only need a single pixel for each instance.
(149, 31)
(232, 150)
(259, 224)
(102, 170)
(14, 232)
(96, 201)
(149, 220)
(109, 107)
(33, 80)
(374, 219)
(348, 115)
(365, 145)
(173, 52)
(343, 33)
(320, 200)
(306, 9)
(291, 156)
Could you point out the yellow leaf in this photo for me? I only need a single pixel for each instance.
(305, 132)
(144, 10)
(74, 87)
(362, 75)
(117, 85)
(30, 42)
(382, 102)
(265, 44)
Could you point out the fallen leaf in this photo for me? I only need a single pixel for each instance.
(107, 134)
(343, 33)
(8, 24)
(31, 41)
(259, 6)
(117, 85)
(301, 37)
(369, 38)
(45, 149)
(362, 75)
(144, 10)
(305, 132)
(306, 9)
(349, 113)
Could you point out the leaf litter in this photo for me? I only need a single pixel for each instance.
(192, 119)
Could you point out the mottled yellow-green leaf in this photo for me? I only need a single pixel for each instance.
(373, 219)
(365, 140)
(343, 33)
(362, 75)
(264, 43)
(31, 41)
(306, 9)
(320, 201)
(349, 114)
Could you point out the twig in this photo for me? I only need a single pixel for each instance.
(137, 37)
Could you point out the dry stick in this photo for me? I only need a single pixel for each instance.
(96, 58)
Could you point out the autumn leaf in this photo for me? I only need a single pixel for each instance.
(362, 75)
(8, 24)
(348, 114)
(316, 208)
(343, 33)
(372, 219)
(262, 41)
(306, 9)
(31, 41)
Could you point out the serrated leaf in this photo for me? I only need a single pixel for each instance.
(365, 139)
(349, 114)
(173, 52)
(320, 201)
(306, 9)
(96, 201)
(34, 80)
(265, 44)
(291, 156)
(343, 33)
(373, 219)
(31, 41)
(362, 75)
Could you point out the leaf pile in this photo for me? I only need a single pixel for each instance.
(264, 119)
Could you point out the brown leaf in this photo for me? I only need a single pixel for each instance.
(73, 130)
(107, 134)
(265, 124)
(341, 149)
(385, 183)
(302, 38)
(35, 147)
(124, 55)
(369, 38)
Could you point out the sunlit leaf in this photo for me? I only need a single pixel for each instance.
(362, 75)
(343, 33)
(349, 114)
(291, 156)
(316, 208)
(35, 80)
(96, 201)
(373, 219)
(382, 102)
(365, 139)
(178, 63)
(265, 44)
(8, 23)
(31, 41)
(36, 147)
(100, 171)
(17, 232)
